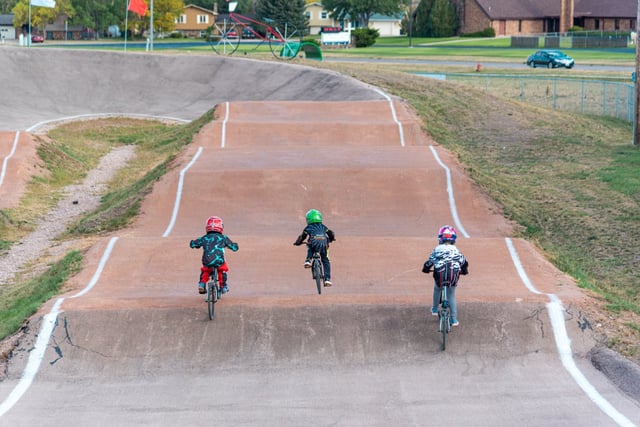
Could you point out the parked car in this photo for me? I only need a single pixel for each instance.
(550, 59)
(232, 34)
(35, 38)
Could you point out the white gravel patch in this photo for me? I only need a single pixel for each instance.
(77, 200)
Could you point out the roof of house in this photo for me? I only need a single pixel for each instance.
(608, 9)
(194, 6)
(519, 9)
(536, 9)
(386, 18)
(6, 20)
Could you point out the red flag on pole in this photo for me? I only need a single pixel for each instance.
(138, 6)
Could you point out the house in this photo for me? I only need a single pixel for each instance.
(61, 30)
(7, 30)
(612, 15)
(194, 20)
(319, 18)
(513, 17)
(386, 25)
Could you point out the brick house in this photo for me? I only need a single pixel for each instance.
(513, 17)
(194, 20)
(61, 30)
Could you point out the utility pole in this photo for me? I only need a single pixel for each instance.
(636, 111)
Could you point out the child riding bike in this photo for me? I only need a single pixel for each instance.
(213, 245)
(319, 236)
(448, 264)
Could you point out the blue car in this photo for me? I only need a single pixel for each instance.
(549, 59)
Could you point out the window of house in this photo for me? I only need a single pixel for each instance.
(307, 14)
(182, 19)
(596, 24)
(324, 14)
(203, 19)
(519, 25)
(617, 24)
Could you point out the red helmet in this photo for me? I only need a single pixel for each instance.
(447, 234)
(214, 223)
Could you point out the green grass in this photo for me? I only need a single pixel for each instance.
(20, 302)
(73, 149)
(570, 181)
(158, 145)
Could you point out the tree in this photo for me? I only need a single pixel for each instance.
(436, 18)
(40, 16)
(165, 13)
(97, 14)
(443, 18)
(279, 13)
(360, 11)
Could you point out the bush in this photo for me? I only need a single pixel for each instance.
(365, 37)
(487, 32)
(575, 29)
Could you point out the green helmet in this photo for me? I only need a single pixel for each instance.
(313, 216)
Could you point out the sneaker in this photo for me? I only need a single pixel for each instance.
(327, 283)
(454, 321)
(307, 263)
(434, 311)
(201, 289)
(224, 289)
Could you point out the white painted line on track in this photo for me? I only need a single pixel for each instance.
(452, 200)
(176, 205)
(6, 159)
(96, 275)
(46, 329)
(393, 113)
(224, 126)
(563, 344)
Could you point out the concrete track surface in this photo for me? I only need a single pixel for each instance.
(132, 344)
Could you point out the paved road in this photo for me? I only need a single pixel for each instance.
(486, 65)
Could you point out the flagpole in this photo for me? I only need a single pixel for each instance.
(29, 39)
(151, 28)
(126, 24)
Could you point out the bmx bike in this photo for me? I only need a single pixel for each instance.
(444, 315)
(317, 271)
(212, 293)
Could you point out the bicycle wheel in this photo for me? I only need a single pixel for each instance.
(444, 326)
(318, 274)
(224, 38)
(212, 297)
(287, 43)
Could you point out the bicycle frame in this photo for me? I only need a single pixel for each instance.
(245, 22)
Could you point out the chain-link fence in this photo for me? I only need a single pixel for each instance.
(598, 97)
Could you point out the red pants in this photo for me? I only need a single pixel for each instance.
(205, 273)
